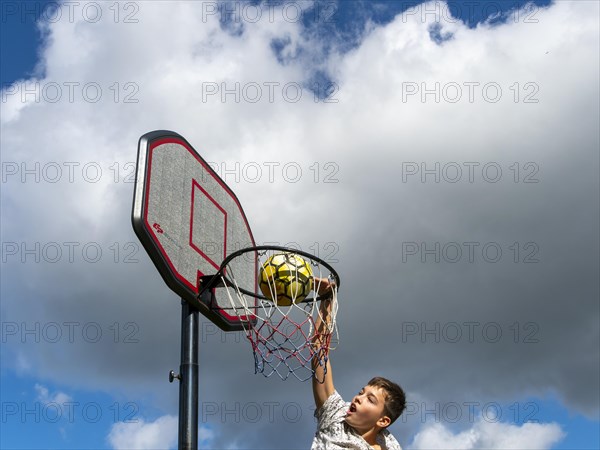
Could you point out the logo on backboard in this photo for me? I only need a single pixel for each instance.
(157, 227)
(159, 230)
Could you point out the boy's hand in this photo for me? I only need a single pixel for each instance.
(324, 287)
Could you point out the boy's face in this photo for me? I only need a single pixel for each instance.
(366, 409)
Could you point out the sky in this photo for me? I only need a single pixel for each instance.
(448, 169)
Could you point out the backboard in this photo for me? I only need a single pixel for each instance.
(189, 221)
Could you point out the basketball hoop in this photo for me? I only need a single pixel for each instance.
(287, 330)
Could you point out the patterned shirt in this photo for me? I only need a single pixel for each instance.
(334, 433)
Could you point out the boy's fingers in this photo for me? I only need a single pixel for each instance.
(324, 285)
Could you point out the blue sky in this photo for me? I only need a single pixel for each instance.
(370, 54)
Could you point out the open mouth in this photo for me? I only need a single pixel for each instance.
(352, 408)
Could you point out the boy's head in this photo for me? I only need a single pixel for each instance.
(395, 399)
(379, 404)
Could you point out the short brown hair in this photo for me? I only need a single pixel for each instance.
(395, 399)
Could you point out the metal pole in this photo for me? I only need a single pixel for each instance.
(188, 387)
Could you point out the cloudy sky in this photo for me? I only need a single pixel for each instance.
(443, 157)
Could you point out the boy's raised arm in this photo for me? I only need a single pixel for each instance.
(322, 381)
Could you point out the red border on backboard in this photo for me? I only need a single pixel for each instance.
(194, 246)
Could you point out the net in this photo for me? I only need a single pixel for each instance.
(288, 313)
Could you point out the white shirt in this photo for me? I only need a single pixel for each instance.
(334, 433)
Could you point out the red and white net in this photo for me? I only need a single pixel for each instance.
(289, 334)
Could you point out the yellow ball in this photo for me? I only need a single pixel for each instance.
(285, 278)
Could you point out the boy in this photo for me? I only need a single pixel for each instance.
(363, 423)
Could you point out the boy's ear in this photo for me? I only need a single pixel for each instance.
(384, 422)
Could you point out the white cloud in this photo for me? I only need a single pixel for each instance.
(159, 434)
(206, 437)
(141, 435)
(22, 363)
(43, 396)
(487, 435)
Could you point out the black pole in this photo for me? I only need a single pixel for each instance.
(188, 387)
